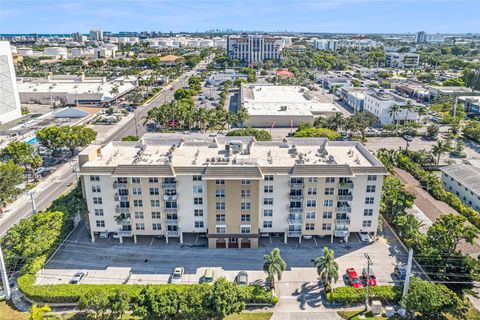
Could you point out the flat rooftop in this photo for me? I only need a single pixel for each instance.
(467, 175)
(283, 100)
(386, 96)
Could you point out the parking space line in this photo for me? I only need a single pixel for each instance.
(151, 242)
(315, 240)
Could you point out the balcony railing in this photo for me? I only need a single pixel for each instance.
(171, 221)
(170, 210)
(295, 209)
(125, 233)
(120, 198)
(346, 185)
(172, 233)
(292, 218)
(120, 185)
(342, 233)
(344, 209)
(169, 185)
(169, 198)
(296, 197)
(294, 233)
(345, 197)
(342, 221)
(122, 210)
(296, 184)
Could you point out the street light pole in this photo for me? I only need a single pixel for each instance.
(369, 262)
(3, 271)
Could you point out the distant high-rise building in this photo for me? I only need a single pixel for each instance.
(421, 37)
(78, 37)
(10, 108)
(255, 48)
(96, 35)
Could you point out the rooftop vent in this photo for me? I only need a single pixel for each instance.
(283, 108)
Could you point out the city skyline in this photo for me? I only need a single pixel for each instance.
(345, 16)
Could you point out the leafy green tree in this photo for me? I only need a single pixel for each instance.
(453, 82)
(94, 300)
(152, 304)
(131, 138)
(327, 268)
(119, 303)
(183, 93)
(274, 265)
(432, 131)
(360, 122)
(316, 132)
(440, 148)
(11, 175)
(223, 299)
(52, 138)
(259, 134)
(40, 313)
(409, 229)
(22, 154)
(239, 81)
(395, 199)
(191, 302)
(356, 83)
(448, 230)
(78, 136)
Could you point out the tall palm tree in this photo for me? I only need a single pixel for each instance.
(392, 112)
(274, 265)
(440, 148)
(421, 110)
(327, 268)
(409, 107)
(242, 116)
(336, 121)
(114, 92)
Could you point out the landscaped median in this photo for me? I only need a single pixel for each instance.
(350, 295)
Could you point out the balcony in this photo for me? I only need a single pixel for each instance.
(295, 209)
(294, 218)
(172, 233)
(296, 197)
(169, 185)
(344, 209)
(125, 233)
(346, 185)
(294, 233)
(345, 197)
(296, 185)
(120, 198)
(120, 185)
(170, 210)
(343, 222)
(122, 210)
(172, 222)
(170, 198)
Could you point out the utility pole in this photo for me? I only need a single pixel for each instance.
(32, 199)
(369, 262)
(3, 271)
(455, 107)
(409, 271)
(135, 119)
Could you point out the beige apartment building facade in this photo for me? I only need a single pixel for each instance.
(231, 190)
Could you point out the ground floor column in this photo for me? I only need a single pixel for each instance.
(181, 236)
(331, 238)
(92, 234)
(135, 238)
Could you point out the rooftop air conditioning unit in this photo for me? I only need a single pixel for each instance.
(283, 108)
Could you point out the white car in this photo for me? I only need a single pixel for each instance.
(365, 237)
(177, 275)
(78, 277)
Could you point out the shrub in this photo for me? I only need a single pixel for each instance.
(348, 295)
(259, 134)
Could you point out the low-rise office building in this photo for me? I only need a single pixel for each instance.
(401, 60)
(463, 180)
(354, 97)
(380, 103)
(233, 190)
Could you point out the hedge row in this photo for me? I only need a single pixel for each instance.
(348, 295)
(436, 189)
(70, 293)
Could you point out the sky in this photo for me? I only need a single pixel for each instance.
(336, 16)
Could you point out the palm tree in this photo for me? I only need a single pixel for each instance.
(114, 92)
(393, 111)
(242, 116)
(421, 110)
(327, 268)
(440, 148)
(274, 265)
(336, 121)
(407, 107)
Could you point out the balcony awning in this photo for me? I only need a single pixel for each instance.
(327, 170)
(144, 170)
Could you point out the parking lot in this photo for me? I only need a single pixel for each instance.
(151, 260)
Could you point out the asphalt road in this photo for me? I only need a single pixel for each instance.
(65, 180)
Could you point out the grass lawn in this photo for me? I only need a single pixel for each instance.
(355, 315)
(9, 313)
(250, 316)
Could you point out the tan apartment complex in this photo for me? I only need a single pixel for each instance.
(232, 190)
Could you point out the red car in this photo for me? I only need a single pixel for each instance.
(353, 278)
(372, 279)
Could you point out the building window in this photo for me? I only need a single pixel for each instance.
(220, 218)
(327, 214)
(311, 203)
(245, 229)
(268, 201)
(268, 213)
(97, 200)
(140, 226)
(154, 203)
(197, 189)
(310, 215)
(267, 224)
(198, 201)
(244, 182)
(310, 226)
(199, 224)
(367, 223)
(328, 203)
(268, 178)
(154, 191)
(153, 180)
(371, 188)
(94, 178)
(219, 181)
(156, 226)
(268, 189)
(312, 191)
(137, 203)
(197, 178)
(221, 229)
(100, 223)
(99, 212)
(369, 200)
(198, 212)
(136, 180)
(96, 189)
(371, 178)
(329, 191)
(245, 193)
(329, 180)
(139, 215)
(312, 179)
(245, 206)
(220, 193)
(137, 191)
(245, 217)
(326, 226)
(156, 215)
(368, 212)
(220, 205)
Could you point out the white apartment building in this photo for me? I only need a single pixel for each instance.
(335, 44)
(10, 108)
(401, 60)
(254, 48)
(96, 35)
(233, 190)
(463, 180)
(379, 103)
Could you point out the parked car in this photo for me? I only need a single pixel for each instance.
(353, 278)
(103, 235)
(242, 278)
(177, 275)
(407, 137)
(208, 275)
(400, 272)
(372, 280)
(78, 277)
(365, 237)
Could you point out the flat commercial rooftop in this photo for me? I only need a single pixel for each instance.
(283, 100)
